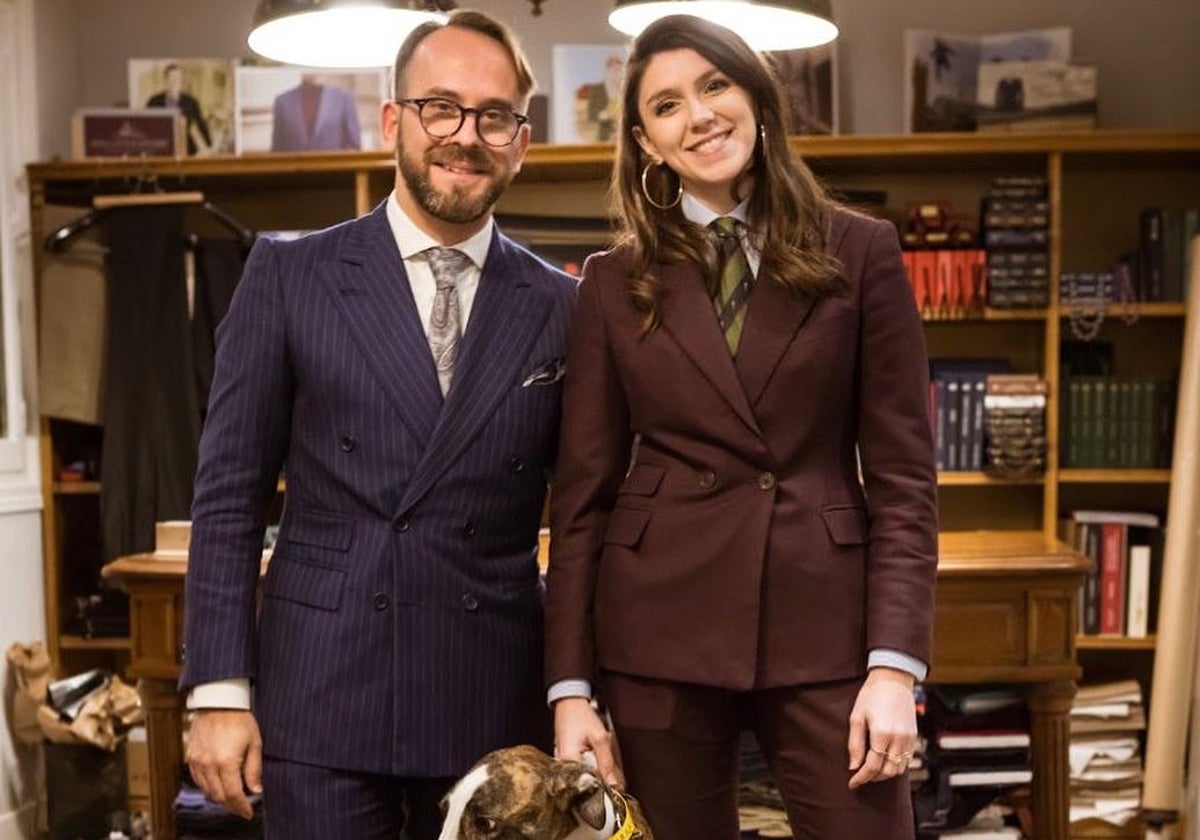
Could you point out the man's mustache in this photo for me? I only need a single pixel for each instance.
(456, 155)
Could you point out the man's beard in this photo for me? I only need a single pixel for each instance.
(457, 206)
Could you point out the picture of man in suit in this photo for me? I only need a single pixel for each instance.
(406, 366)
(314, 116)
(175, 97)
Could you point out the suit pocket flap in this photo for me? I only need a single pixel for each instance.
(304, 583)
(643, 480)
(846, 525)
(625, 526)
(322, 530)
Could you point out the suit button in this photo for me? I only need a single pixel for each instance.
(708, 479)
(517, 465)
(402, 524)
(766, 481)
(348, 443)
(380, 601)
(470, 602)
(469, 529)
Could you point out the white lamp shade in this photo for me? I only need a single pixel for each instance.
(768, 25)
(347, 36)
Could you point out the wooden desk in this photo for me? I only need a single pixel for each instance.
(1006, 612)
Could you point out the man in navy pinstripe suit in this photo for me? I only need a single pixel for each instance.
(399, 633)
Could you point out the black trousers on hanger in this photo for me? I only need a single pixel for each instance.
(152, 425)
(219, 264)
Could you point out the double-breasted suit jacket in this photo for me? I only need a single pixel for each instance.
(400, 628)
(738, 548)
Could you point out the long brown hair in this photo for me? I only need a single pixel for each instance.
(788, 212)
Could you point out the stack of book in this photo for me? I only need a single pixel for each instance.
(1014, 410)
(978, 753)
(1016, 234)
(956, 392)
(1164, 253)
(1120, 591)
(1118, 422)
(1106, 766)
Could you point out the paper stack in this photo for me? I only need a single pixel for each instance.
(1105, 755)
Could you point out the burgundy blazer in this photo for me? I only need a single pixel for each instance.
(737, 547)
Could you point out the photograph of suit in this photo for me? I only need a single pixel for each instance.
(293, 109)
(200, 88)
(587, 85)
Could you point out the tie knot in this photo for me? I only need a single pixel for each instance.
(447, 265)
(725, 226)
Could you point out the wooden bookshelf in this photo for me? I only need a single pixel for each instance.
(1115, 643)
(76, 488)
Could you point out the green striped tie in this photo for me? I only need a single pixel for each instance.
(736, 281)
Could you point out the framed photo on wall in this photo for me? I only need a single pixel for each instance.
(585, 101)
(199, 88)
(809, 79)
(298, 109)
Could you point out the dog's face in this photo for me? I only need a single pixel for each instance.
(521, 793)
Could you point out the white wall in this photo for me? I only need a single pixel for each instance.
(1145, 49)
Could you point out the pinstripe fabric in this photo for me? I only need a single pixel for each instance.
(400, 627)
(304, 802)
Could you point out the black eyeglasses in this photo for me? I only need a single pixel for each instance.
(442, 118)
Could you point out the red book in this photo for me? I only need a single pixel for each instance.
(1112, 577)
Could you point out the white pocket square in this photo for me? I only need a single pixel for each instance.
(547, 374)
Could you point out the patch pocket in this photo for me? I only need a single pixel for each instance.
(643, 480)
(626, 526)
(847, 525)
(304, 583)
(320, 530)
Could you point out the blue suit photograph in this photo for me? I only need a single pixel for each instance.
(314, 117)
(403, 371)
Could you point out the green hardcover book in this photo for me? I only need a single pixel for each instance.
(1124, 424)
(1074, 427)
(1143, 423)
(1087, 422)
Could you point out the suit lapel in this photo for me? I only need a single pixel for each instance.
(688, 315)
(372, 293)
(506, 318)
(773, 318)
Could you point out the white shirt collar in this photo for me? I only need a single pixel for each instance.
(695, 211)
(411, 240)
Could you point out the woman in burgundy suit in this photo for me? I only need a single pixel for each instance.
(744, 508)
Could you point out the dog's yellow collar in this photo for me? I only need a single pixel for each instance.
(628, 829)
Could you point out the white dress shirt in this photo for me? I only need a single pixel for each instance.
(412, 243)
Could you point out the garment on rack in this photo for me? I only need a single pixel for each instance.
(72, 323)
(151, 412)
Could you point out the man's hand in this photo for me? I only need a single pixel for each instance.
(883, 727)
(578, 729)
(224, 753)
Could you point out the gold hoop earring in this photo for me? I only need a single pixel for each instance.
(646, 189)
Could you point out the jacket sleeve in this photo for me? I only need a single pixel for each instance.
(242, 449)
(593, 456)
(896, 450)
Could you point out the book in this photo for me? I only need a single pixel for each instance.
(982, 739)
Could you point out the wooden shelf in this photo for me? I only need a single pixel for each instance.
(1139, 310)
(988, 314)
(98, 643)
(76, 488)
(1115, 643)
(982, 479)
(1113, 476)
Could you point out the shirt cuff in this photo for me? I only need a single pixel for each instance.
(568, 688)
(888, 658)
(221, 694)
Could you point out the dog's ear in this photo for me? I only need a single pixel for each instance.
(578, 790)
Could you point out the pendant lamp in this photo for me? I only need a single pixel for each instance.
(337, 33)
(764, 24)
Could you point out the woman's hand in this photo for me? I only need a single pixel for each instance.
(578, 729)
(883, 727)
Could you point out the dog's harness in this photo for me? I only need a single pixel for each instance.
(627, 828)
